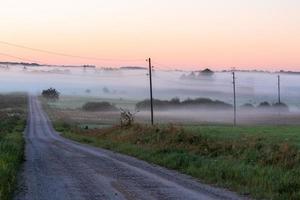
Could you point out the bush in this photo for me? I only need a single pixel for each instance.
(281, 107)
(51, 94)
(247, 106)
(99, 106)
(88, 91)
(126, 119)
(274, 107)
(264, 104)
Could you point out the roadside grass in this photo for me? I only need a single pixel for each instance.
(260, 162)
(12, 124)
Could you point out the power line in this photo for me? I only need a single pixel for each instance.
(96, 76)
(162, 66)
(68, 55)
(16, 57)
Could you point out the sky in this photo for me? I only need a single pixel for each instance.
(184, 34)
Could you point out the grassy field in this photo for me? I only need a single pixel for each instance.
(12, 123)
(262, 162)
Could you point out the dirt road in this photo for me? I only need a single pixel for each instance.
(60, 169)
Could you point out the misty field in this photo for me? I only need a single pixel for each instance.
(12, 124)
(260, 161)
(70, 108)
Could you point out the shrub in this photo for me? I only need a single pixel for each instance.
(281, 107)
(51, 94)
(99, 106)
(264, 104)
(274, 107)
(127, 118)
(88, 91)
(247, 106)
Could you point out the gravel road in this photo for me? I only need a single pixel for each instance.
(59, 169)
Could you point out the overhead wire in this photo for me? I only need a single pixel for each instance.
(159, 65)
(22, 59)
(17, 57)
(68, 55)
(174, 81)
(94, 76)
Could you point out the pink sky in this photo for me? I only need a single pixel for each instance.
(187, 34)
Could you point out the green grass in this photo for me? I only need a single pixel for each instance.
(12, 123)
(263, 162)
(272, 134)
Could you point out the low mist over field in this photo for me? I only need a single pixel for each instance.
(134, 84)
(144, 99)
(126, 87)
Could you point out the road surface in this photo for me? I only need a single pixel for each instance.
(59, 169)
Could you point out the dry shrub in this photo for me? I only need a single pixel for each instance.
(126, 118)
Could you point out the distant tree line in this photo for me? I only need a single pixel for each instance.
(205, 103)
(175, 103)
(20, 63)
(267, 106)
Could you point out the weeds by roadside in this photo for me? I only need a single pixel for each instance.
(251, 164)
(12, 124)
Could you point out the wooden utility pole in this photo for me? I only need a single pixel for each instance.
(234, 98)
(151, 93)
(279, 89)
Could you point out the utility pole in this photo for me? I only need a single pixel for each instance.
(151, 94)
(234, 98)
(279, 92)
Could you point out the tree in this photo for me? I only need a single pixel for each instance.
(88, 91)
(264, 104)
(281, 107)
(247, 106)
(175, 100)
(51, 94)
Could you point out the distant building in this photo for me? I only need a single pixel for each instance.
(196, 75)
(207, 72)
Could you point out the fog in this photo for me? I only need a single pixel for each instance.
(134, 84)
(222, 117)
